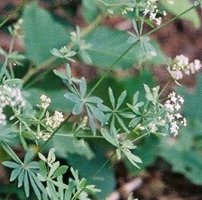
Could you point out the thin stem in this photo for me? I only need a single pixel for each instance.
(104, 164)
(140, 137)
(7, 62)
(163, 89)
(9, 52)
(56, 130)
(81, 136)
(12, 14)
(110, 68)
(34, 71)
(129, 48)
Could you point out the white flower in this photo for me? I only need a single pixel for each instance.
(180, 99)
(11, 96)
(170, 117)
(175, 74)
(178, 115)
(172, 107)
(172, 97)
(55, 120)
(177, 106)
(174, 128)
(2, 117)
(169, 106)
(181, 60)
(43, 135)
(181, 65)
(193, 67)
(152, 11)
(45, 101)
(184, 122)
(152, 127)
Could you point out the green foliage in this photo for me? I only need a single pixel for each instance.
(99, 122)
(116, 113)
(90, 10)
(66, 144)
(123, 147)
(26, 174)
(90, 169)
(53, 89)
(187, 159)
(82, 100)
(107, 47)
(41, 33)
(179, 7)
(187, 149)
(192, 107)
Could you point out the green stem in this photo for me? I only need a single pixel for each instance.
(140, 137)
(104, 164)
(81, 136)
(13, 13)
(55, 131)
(9, 52)
(127, 50)
(163, 89)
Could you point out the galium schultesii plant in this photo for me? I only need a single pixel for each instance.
(122, 123)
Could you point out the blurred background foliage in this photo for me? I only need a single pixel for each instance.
(47, 26)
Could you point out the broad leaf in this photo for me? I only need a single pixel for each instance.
(42, 33)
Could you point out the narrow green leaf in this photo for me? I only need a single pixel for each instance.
(121, 99)
(83, 87)
(53, 168)
(111, 97)
(15, 173)
(11, 164)
(26, 184)
(108, 137)
(60, 171)
(21, 177)
(34, 186)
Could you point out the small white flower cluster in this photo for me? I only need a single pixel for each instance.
(43, 135)
(172, 106)
(52, 122)
(76, 38)
(126, 10)
(45, 102)
(10, 96)
(55, 120)
(18, 27)
(2, 117)
(152, 10)
(182, 65)
(154, 126)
